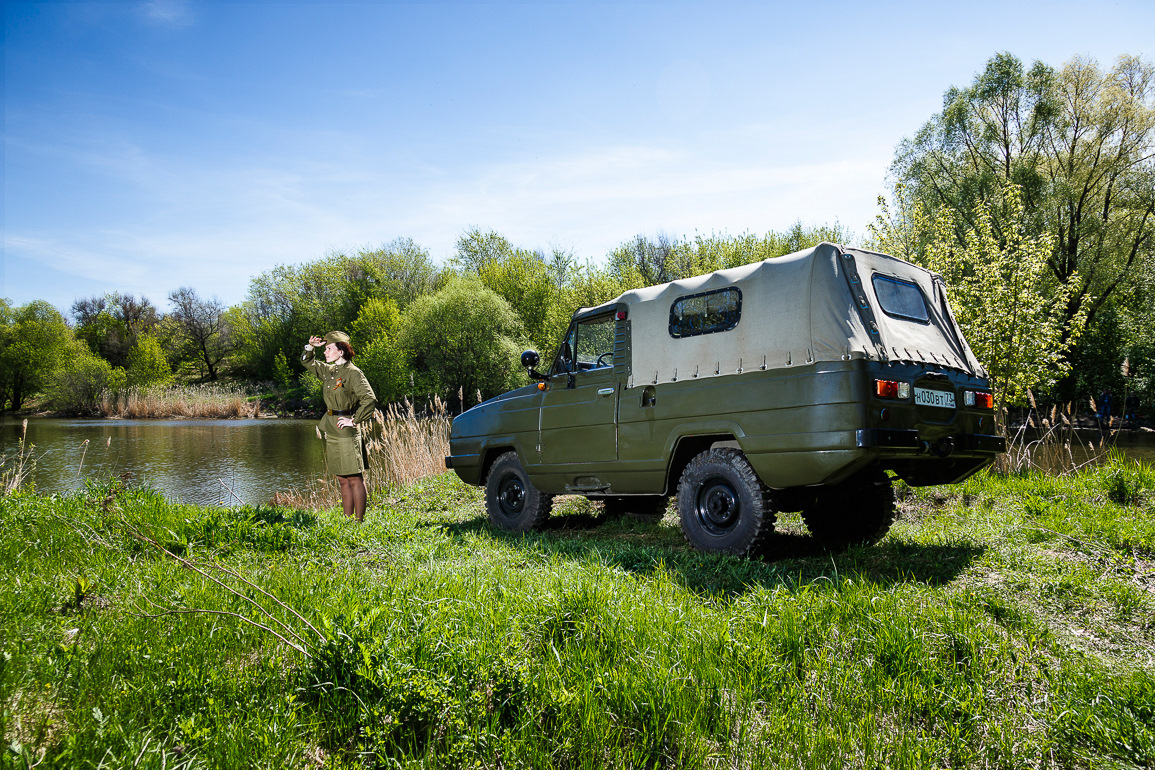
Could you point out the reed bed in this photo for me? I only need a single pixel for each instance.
(1051, 445)
(403, 447)
(190, 401)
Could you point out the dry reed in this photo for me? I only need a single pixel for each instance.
(188, 401)
(1052, 446)
(403, 446)
(13, 474)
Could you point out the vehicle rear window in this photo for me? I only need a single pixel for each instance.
(705, 313)
(901, 299)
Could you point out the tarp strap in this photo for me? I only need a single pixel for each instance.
(858, 292)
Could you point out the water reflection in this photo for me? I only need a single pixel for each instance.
(195, 461)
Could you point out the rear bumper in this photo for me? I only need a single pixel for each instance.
(910, 440)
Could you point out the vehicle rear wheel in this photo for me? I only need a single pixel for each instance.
(647, 508)
(512, 501)
(722, 504)
(859, 510)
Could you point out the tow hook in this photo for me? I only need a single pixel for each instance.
(943, 447)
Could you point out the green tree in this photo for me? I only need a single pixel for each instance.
(111, 324)
(476, 249)
(525, 281)
(1007, 302)
(642, 262)
(147, 364)
(1078, 141)
(34, 343)
(464, 338)
(386, 366)
(378, 318)
(374, 336)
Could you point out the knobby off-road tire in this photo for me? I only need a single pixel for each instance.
(647, 508)
(859, 510)
(512, 501)
(722, 504)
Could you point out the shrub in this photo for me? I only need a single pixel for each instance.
(81, 381)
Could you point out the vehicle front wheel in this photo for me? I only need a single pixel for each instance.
(512, 501)
(859, 510)
(722, 504)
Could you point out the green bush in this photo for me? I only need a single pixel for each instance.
(82, 380)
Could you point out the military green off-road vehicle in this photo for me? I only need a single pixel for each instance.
(791, 384)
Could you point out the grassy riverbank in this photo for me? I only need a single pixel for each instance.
(1006, 622)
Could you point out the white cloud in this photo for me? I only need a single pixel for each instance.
(174, 13)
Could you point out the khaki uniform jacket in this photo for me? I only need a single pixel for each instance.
(345, 389)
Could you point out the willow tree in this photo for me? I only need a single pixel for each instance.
(1079, 143)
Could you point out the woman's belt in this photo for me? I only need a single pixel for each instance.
(341, 412)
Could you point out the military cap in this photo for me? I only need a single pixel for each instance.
(337, 337)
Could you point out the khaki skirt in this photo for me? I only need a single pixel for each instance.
(345, 455)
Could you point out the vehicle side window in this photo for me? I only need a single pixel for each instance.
(595, 343)
(587, 345)
(705, 313)
(901, 299)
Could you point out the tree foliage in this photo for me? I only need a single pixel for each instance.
(33, 343)
(112, 324)
(82, 380)
(1079, 143)
(287, 304)
(147, 364)
(463, 339)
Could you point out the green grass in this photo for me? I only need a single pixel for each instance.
(1005, 622)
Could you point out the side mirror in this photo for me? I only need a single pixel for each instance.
(530, 359)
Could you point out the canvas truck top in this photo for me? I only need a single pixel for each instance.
(819, 304)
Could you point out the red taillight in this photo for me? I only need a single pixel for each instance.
(984, 400)
(891, 389)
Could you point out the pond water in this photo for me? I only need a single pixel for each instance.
(194, 461)
(221, 461)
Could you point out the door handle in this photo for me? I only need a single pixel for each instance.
(605, 391)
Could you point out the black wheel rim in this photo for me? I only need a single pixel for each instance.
(511, 496)
(717, 506)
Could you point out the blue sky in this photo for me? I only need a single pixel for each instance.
(154, 145)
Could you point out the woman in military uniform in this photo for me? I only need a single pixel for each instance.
(349, 402)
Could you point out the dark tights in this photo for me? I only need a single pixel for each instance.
(353, 496)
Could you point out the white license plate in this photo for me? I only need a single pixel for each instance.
(940, 398)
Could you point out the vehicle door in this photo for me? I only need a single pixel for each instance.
(579, 407)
